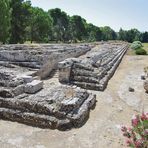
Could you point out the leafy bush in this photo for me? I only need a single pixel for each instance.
(140, 51)
(137, 135)
(136, 44)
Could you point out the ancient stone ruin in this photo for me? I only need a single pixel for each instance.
(62, 108)
(27, 96)
(93, 70)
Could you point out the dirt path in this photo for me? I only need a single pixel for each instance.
(115, 106)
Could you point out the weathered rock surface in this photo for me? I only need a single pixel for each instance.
(25, 98)
(95, 69)
(63, 107)
(43, 57)
(33, 87)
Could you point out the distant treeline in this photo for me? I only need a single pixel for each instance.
(20, 22)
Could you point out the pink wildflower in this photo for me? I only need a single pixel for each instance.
(129, 128)
(128, 142)
(135, 120)
(144, 116)
(138, 143)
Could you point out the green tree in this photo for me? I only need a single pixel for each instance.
(77, 28)
(108, 33)
(122, 35)
(60, 24)
(5, 18)
(145, 37)
(40, 25)
(133, 35)
(20, 19)
(93, 33)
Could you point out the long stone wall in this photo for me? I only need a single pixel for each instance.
(42, 57)
(95, 69)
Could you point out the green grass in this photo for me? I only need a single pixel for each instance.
(145, 46)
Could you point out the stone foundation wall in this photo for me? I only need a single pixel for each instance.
(63, 108)
(42, 57)
(94, 71)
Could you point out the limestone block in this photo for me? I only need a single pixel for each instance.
(65, 70)
(69, 104)
(33, 87)
(18, 90)
(27, 79)
(73, 102)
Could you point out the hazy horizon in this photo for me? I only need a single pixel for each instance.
(117, 14)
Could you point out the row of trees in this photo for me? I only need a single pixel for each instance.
(132, 35)
(21, 22)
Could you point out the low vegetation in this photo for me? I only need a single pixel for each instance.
(138, 48)
(140, 51)
(136, 45)
(137, 135)
(145, 46)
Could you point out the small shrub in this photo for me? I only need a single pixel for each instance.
(136, 44)
(137, 135)
(140, 51)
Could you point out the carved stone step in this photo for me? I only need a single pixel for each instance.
(59, 108)
(86, 79)
(91, 86)
(33, 119)
(82, 66)
(80, 72)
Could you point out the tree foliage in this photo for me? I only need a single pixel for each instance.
(130, 35)
(108, 33)
(60, 24)
(77, 28)
(21, 22)
(145, 37)
(40, 25)
(20, 19)
(5, 18)
(94, 33)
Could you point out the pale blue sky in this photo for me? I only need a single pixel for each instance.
(114, 13)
